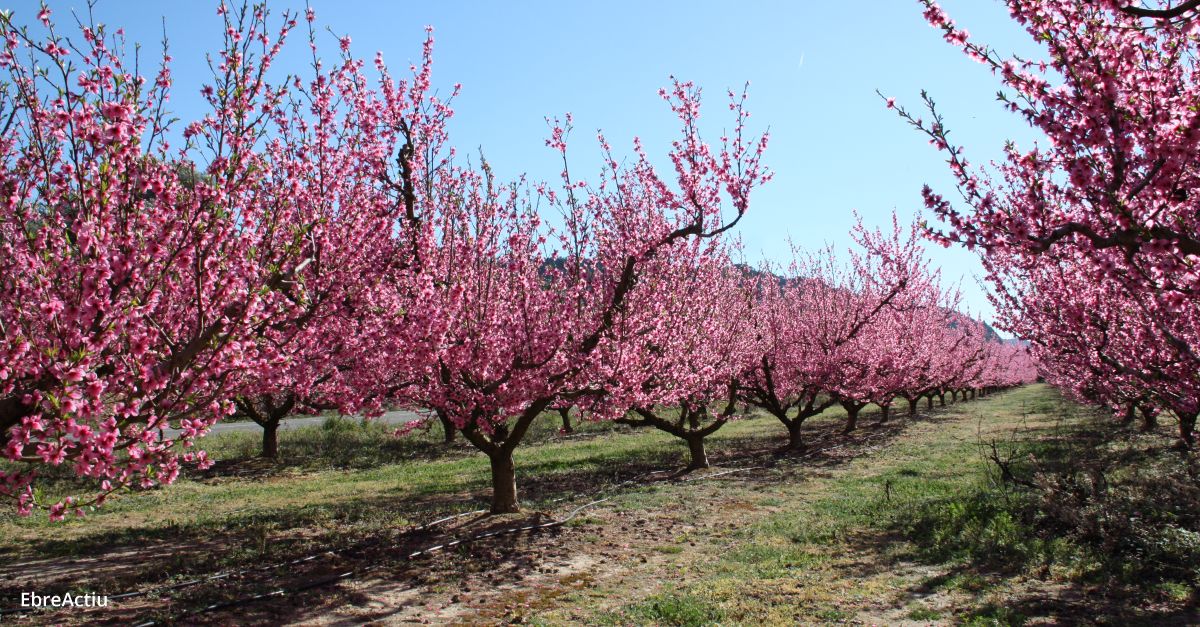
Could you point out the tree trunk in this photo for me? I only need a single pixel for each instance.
(942, 399)
(1187, 428)
(953, 396)
(565, 412)
(504, 483)
(884, 413)
(270, 442)
(1149, 419)
(699, 458)
(795, 436)
(929, 401)
(448, 429)
(851, 418)
(912, 407)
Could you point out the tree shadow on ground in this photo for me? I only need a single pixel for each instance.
(1101, 518)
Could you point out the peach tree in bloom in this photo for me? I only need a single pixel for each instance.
(133, 290)
(360, 166)
(868, 366)
(534, 310)
(1110, 195)
(678, 367)
(803, 324)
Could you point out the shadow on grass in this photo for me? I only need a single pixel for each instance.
(1108, 516)
(508, 563)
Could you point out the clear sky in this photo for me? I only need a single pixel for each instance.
(813, 69)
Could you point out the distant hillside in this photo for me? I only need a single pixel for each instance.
(989, 332)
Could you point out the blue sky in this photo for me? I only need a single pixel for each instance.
(813, 69)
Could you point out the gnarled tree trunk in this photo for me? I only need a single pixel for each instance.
(1149, 419)
(1187, 429)
(852, 408)
(448, 428)
(698, 458)
(267, 411)
(270, 442)
(795, 435)
(498, 446)
(794, 425)
(504, 482)
(688, 427)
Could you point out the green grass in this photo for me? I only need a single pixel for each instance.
(677, 610)
(347, 442)
(923, 614)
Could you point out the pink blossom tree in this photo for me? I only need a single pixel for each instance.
(804, 323)
(916, 343)
(787, 375)
(868, 366)
(360, 173)
(526, 335)
(680, 373)
(1109, 194)
(131, 295)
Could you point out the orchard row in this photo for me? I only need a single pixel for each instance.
(318, 243)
